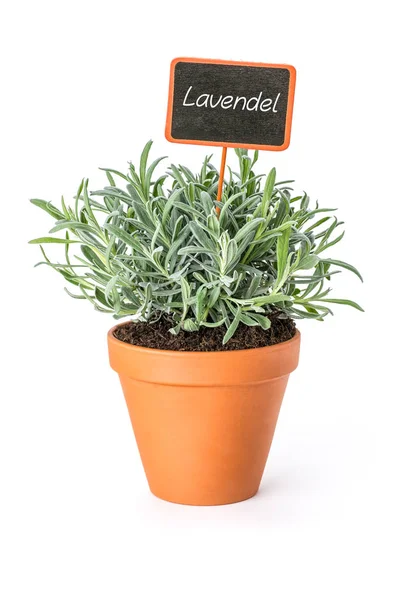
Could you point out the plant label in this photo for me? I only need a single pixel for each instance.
(233, 104)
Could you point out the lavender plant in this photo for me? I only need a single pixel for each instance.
(153, 246)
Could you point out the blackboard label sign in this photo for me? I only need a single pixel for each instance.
(233, 104)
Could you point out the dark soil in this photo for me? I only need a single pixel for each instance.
(157, 335)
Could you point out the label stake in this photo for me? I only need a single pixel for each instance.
(221, 178)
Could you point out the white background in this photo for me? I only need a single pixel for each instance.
(84, 84)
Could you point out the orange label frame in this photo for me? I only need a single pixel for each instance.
(223, 143)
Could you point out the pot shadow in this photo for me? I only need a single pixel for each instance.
(279, 485)
(284, 484)
(281, 499)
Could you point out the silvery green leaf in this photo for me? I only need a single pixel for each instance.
(247, 228)
(232, 251)
(111, 283)
(148, 295)
(169, 204)
(176, 174)
(156, 252)
(226, 280)
(317, 224)
(213, 223)
(245, 244)
(226, 207)
(144, 160)
(76, 296)
(310, 214)
(233, 327)
(282, 252)
(212, 324)
(262, 300)
(130, 295)
(73, 225)
(190, 325)
(268, 191)
(253, 287)
(199, 277)
(178, 227)
(93, 256)
(251, 203)
(196, 250)
(173, 277)
(263, 321)
(110, 178)
(202, 236)
(342, 264)
(305, 201)
(115, 173)
(101, 297)
(48, 207)
(133, 194)
(330, 244)
(125, 237)
(200, 306)
(207, 202)
(186, 208)
(213, 296)
(174, 248)
(52, 240)
(111, 193)
(309, 262)
(149, 173)
(341, 301)
(185, 291)
(247, 320)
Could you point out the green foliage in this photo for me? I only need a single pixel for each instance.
(156, 246)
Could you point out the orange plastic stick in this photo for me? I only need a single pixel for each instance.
(221, 178)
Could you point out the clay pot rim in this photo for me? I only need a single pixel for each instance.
(166, 353)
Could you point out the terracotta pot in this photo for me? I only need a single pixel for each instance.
(204, 421)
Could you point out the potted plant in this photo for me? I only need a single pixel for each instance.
(211, 290)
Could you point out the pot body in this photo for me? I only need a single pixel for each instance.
(204, 421)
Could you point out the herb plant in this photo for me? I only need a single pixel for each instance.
(154, 246)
